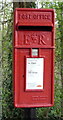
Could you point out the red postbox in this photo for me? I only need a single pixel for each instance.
(33, 57)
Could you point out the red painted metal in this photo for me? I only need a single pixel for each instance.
(33, 28)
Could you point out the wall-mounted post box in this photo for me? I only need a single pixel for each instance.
(33, 57)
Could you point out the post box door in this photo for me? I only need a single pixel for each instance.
(33, 58)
